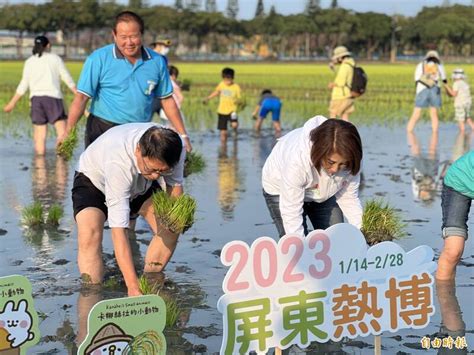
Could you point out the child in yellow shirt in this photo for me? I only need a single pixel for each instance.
(229, 97)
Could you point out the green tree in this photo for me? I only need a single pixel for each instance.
(89, 19)
(178, 5)
(259, 11)
(160, 19)
(336, 25)
(211, 6)
(193, 5)
(375, 30)
(312, 6)
(23, 18)
(334, 4)
(232, 8)
(136, 4)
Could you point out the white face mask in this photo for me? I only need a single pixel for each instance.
(164, 50)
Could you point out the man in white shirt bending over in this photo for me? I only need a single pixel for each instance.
(115, 180)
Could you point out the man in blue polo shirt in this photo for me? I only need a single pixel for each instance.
(122, 79)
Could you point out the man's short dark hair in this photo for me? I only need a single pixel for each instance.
(266, 91)
(161, 143)
(228, 73)
(129, 16)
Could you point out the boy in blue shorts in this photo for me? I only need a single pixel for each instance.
(456, 199)
(268, 103)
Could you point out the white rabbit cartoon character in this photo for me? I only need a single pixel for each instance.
(17, 322)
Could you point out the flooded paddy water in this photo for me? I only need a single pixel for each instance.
(230, 207)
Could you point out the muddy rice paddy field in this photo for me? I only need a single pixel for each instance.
(230, 207)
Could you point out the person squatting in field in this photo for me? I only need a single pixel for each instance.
(114, 181)
(268, 103)
(314, 171)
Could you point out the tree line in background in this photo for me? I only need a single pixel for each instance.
(199, 28)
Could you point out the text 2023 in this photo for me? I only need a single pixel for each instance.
(264, 256)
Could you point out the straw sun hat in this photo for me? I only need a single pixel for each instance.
(339, 52)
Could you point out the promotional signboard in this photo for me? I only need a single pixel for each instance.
(18, 319)
(323, 287)
(126, 326)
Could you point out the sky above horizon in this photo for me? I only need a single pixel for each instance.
(286, 7)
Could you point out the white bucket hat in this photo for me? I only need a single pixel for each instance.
(432, 54)
(458, 73)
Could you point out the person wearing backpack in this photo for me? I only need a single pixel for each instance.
(428, 75)
(342, 100)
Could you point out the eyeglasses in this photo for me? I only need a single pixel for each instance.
(149, 171)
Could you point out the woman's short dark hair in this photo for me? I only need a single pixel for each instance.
(129, 16)
(161, 143)
(336, 136)
(173, 70)
(41, 42)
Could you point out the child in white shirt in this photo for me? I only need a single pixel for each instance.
(462, 99)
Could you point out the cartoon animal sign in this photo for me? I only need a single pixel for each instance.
(18, 318)
(126, 326)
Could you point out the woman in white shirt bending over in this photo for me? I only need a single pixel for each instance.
(314, 171)
(41, 75)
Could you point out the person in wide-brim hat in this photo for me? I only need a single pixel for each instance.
(342, 102)
(340, 52)
(458, 73)
(432, 54)
(163, 42)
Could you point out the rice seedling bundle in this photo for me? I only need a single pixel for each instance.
(146, 287)
(381, 222)
(172, 311)
(55, 213)
(32, 215)
(176, 214)
(172, 308)
(194, 163)
(66, 148)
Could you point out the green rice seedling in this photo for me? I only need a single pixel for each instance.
(194, 164)
(32, 215)
(66, 149)
(55, 213)
(172, 307)
(176, 214)
(186, 84)
(146, 287)
(241, 104)
(173, 310)
(111, 283)
(381, 222)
